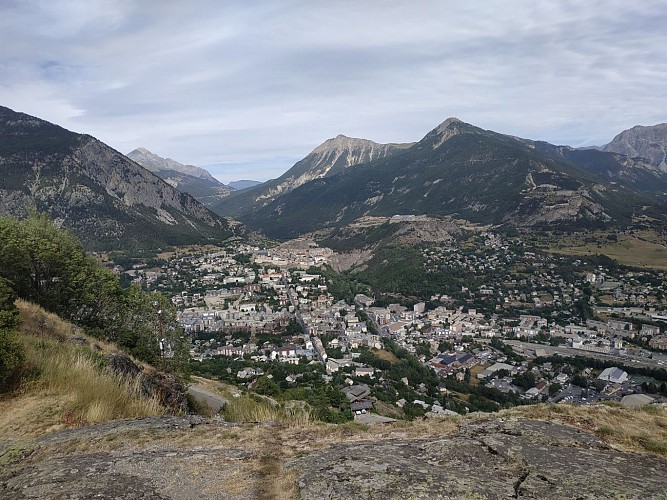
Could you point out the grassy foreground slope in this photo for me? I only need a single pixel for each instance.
(64, 382)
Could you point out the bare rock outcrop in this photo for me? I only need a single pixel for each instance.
(487, 459)
(192, 457)
(154, 384)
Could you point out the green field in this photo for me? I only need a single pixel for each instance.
(641, 250)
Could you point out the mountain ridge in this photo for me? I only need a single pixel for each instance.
(186, 178)
(332, 156)
(87, 186)
(155, 163)
(459, 169)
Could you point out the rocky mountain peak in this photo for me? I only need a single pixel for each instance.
(446, 130)
(156, 163)
(649, 142)
(342, 142)
(452, 120)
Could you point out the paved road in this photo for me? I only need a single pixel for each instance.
(212, 400)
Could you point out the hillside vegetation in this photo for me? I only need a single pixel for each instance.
(48, 266)
(61, 379)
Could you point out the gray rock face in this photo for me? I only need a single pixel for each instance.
(193, 458)
(155, 163)
(645, 142)
(154, 384)
(492, 459)
(127, 473)
(330, 157)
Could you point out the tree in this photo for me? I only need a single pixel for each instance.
(48, 266)
(524, 380)
(12, 355)
(267, 387)
(554, 388)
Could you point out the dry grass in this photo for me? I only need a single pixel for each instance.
(386, 355)
(66, 384)
(642, 250)
(627, 429)
(77, 375)
(215, 386)
(249, 408)
(37, 322)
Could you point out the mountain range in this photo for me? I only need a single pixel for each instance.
(108, 200)
(460, 170)
(186, 178)
(456, 170)
(328, 159)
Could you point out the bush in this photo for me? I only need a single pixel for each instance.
(12, 359)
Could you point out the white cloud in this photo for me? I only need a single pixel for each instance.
(250, 87)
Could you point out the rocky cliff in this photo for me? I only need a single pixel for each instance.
(644, 142)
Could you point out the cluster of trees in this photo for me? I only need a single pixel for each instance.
(48, 266)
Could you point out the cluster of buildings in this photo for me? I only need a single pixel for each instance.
(247, 298)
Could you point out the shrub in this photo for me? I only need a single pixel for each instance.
(12, 359)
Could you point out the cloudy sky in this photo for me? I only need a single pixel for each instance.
(246, 88)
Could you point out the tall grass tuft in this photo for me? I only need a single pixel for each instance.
(96, 394)
(251, 409)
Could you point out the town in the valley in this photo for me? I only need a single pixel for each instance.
(276, 321)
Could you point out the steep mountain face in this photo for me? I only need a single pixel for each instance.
(329, 158)
(457, 169)
(186, 178)
(636, 173)
(649, 143)
(108, 200)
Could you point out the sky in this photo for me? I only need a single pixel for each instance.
(247, 88)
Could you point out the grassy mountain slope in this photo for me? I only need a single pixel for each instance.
(457, 169)
(105, 198)
(329, 158)
(65, 382)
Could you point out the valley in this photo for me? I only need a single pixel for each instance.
(425, 288)
(446, 309)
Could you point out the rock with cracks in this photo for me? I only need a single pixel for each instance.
(486, 459)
